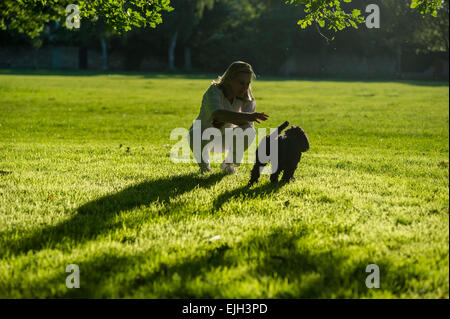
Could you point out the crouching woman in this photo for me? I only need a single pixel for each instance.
(227, 105)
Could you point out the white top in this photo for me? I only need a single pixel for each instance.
(214, 99)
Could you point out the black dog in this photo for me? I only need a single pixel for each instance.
(291, 145)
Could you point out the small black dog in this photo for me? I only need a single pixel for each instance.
(291, 145)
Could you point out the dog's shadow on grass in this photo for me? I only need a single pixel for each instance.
(247, 192)
(97, 216)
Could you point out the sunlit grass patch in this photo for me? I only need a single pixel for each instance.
(86, 178)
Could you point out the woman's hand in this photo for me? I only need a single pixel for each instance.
(255, 117)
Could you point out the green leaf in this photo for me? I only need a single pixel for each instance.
(356, 13)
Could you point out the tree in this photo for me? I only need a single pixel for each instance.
(229, 32)
(329, 12)
(107, 16)
(428, 7)
(30, 16)
(434, 34)
(181, 25)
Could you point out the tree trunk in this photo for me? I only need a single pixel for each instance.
(399, 61)
(173, 43)
(323, 58)
(187, 59)
(104, 53)
(82, 57)
(56, 58)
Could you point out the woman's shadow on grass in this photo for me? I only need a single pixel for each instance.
(280, 256)
(97, 216)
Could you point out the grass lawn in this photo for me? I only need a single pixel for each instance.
(373, 189)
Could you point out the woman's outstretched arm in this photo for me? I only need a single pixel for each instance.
(237, 118)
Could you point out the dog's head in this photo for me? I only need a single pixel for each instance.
(298, 135)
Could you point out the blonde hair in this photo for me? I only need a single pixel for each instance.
(234, 69)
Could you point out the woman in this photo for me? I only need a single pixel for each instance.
(228, 103)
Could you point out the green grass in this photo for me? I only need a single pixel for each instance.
(374, 188)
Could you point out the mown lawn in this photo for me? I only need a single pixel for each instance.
(86, 179)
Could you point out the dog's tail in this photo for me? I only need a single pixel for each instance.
(280, 128)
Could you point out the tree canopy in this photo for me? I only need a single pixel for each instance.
(330, 14)
(30, 16)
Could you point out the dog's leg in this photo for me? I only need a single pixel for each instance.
(288, 174)
(257, 168)
(274, 176)
(256, 171)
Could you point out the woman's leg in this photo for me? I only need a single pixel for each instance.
(203, 161)
(246, 134)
